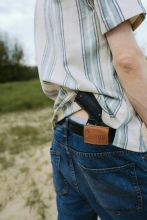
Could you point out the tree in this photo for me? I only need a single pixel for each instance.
(17, 54)
(11, 52)
(12, 65)
(4, 52)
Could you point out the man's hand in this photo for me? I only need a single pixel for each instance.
(131, 66)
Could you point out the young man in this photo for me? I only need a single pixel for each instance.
(100, 168)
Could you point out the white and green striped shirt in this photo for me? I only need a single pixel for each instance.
(73, 54)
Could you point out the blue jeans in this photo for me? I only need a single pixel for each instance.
(97, 180)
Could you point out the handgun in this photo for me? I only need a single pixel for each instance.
(89, 103)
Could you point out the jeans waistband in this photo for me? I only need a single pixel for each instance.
(65, 137)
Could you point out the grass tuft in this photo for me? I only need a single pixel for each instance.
(35, 201)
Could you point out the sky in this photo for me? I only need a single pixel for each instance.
(17, 19)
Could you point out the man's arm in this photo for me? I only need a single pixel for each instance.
(131, 66)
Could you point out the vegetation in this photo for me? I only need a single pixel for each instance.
(10, 53)
(25, 135)
(26, 95)
(35, 200)
(17, 73)
(12, 67)
(25, 173)
(25, 131)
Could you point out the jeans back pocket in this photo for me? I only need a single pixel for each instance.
(115, 189)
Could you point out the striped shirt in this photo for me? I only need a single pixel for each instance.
(72, 54)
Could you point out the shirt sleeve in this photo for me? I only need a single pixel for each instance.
(111, 13)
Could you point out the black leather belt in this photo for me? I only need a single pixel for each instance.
(77, 128)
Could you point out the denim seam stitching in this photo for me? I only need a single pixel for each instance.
(97, 155)
(73, 174)
(137, 189)
(105, 170)
(92, 154)
(57, 164)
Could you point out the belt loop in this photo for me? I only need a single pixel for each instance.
(66, 130)
(66, 127)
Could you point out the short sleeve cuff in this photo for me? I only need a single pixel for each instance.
(111, 13)
(137, 19)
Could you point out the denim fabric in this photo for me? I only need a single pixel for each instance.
(97, 180)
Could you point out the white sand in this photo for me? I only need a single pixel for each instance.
(29, 180)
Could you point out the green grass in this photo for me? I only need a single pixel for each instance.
(24, 131)
(20, 96)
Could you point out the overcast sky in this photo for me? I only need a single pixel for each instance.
(17, 19)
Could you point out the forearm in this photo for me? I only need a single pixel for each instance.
(131, 66)
(134, 82)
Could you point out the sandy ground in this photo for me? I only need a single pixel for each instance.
(26, 187)
(27, 191)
